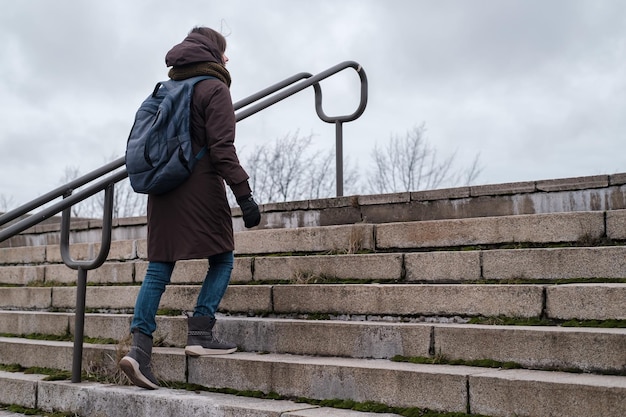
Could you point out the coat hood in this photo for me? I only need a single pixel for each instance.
(193, 49)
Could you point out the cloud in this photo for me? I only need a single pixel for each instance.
(535, 87)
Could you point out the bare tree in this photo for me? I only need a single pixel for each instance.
(71, 173)
(288, 169)
(278, 170)
(322, 176)
(126, 203)
(286, 165)
(410, 163)
(6, 203)
(469, 175)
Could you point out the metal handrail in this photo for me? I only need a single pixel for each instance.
(56, 193)
(280, 91)
(82, 267)
(309, 80)
(313, 80)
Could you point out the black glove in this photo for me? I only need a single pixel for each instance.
(250, 211)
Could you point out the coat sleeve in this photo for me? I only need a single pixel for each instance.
(212, 99)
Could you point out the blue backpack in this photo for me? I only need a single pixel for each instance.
(159, 156)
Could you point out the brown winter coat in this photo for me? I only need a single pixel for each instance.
(194, 220)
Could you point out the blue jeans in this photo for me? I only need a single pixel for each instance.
(159, 275)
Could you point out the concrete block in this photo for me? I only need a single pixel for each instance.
(397, 384)
(438, 209)
(443, 266)
(334, 412)
(616, 195)
(108, 273)
(555, 263)
(36, 353)
(97, 400)
(191, 271)
(105, 326)
(172, 330)
(303, 268)
(238, 298)
(281, 219)
(121, 250)
(306, 337)
(441, 194)
(194, 271)
(586, 349)
(22, 255)
(326, 337)
(616, 224)
(29, 322)
(346, 238)
(597, 199)
(402, 212)
(242, 270)
(141, 246)
(112, 273)
(503, 189)
(141, 267)
(286, 206)
(78, 252)
(546, 394)
(131, 232)
(617, 179)
(19, 389)
(540, 228)
(42, 228)
(29, 298)
(341, 215)
(333, 202)
(574, 183)
(168, 363)
(21, 275)
(116, 297)
(414, 299)
(180, 297)
(130, 221)
(374, 199)
(62, 274)
(586, 301)
(247, 299)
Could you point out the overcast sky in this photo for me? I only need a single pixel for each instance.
(535, 87)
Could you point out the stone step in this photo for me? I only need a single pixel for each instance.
(600, 350)
(608, 262)
(535, 228)
(598, 301)
(5, 413)
(595, 193)
(437, 387)
(92, 399)
(450, 266)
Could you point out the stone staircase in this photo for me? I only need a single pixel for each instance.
(498, 300)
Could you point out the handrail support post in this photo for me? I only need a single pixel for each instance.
(82, 267)
(79, 325)
(339, 156)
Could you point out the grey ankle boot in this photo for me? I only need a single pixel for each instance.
(200, 339)
(136, 364)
